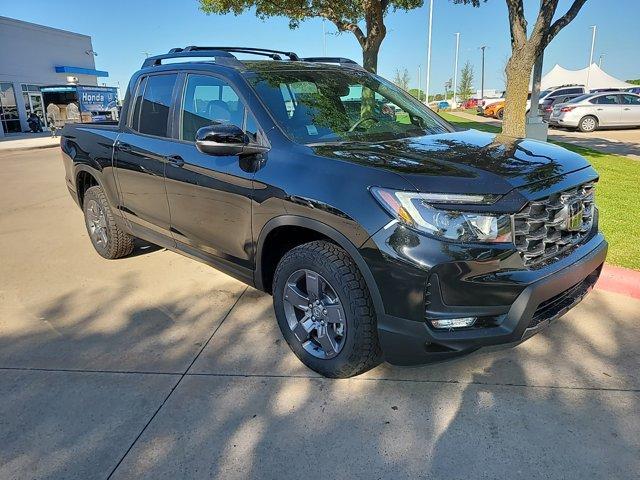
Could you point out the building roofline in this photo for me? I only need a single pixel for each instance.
(42, 27)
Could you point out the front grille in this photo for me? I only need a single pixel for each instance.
(545, 229)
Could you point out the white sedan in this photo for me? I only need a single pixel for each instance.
(594, 110)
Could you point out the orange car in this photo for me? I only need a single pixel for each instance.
(495, 110)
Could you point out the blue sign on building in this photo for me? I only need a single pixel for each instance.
(97, 99)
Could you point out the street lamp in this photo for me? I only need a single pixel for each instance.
(593, 43)
(600, 60)
(428, 75)
(483, 47)
(455, 72)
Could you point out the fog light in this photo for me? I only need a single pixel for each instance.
(454, 322)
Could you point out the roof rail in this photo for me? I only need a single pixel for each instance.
(224, 54)
(266, 52)
(338, 60)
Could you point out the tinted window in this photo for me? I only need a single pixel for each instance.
(156, 102)
(251, 128)
(137, 104)
(573, 90)
(630, 100)
(605, 100)
(209, 100)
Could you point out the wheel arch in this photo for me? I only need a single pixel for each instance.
(85, 178)
(592, 115)
(263, 276)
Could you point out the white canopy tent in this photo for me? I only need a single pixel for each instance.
(594, 75)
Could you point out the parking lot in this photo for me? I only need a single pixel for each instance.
(155, 366)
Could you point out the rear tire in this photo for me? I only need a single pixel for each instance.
(588, 124)
(500, 114)
(354, 346)
(107, 238)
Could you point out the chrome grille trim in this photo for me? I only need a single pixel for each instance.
(541, 231)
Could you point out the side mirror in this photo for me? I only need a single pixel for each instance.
(225, 139)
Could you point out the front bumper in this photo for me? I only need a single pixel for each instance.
(409, 342)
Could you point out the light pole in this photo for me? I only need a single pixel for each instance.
(426, 91)
(593, 43)
(419, 80)
(483, 47)
(324, 38)
(600, 61)
(455, 72)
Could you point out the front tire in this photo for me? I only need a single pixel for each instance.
(324, 310)
(500, 114)
(107, 238)
(588, 124)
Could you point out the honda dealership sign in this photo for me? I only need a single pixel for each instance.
(97, 99)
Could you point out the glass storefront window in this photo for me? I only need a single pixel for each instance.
(9, 109)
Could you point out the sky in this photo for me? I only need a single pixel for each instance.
(123, 31)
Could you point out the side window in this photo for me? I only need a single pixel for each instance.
(606, 100)
(573, 90)
(251, 128)
(630, 100)
(208, 100)
(156, 102)
(137, 104)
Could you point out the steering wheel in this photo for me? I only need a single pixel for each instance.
(362, 120)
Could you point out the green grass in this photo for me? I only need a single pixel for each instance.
(617, 196)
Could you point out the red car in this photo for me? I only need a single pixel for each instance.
(471, 103)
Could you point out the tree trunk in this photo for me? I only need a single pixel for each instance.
(370, 56)
(518, 72)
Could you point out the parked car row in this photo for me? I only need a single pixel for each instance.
(571, 106)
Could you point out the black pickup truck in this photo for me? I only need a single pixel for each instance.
(381, 231)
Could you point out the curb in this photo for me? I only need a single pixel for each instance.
(619, 280)
(22, 149)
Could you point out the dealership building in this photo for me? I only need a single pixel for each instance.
(47, 71)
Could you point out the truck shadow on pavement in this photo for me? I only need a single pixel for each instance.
(565, 404)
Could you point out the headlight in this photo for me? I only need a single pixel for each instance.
(417, 210)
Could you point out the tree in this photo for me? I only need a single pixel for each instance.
(346, 16)
(465, 89)
(402, 79)
(525, 49)
(417, 93)
(634, 82)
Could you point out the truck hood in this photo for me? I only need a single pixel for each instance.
(462, 162)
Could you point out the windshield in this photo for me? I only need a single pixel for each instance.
(321, 106)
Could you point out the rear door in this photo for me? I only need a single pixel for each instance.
(630, 109)
(608, 109)
(141, 154)
(210, 196)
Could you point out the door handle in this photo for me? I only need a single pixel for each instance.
(175, 160)
(123, 147)
(627, 108)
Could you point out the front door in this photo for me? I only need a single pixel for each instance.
(141, 154)
(608, 110)
(210, 196)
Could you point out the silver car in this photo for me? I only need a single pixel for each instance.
(605, 109)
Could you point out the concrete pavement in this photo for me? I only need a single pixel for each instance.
(156, 366)
(28, 141)
(625, 142)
